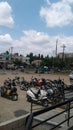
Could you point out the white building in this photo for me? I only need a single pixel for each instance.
(21, 57)
(65, 55)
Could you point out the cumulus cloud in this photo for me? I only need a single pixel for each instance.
(39, 42)
(5, 38)
(36, 42)
(32, 41)
(68, 1)
(5, 42)
(6, 18)
(57, 14)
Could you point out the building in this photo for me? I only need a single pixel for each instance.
(65, 55)
(24, 59)
(5, 59)
(37, 62)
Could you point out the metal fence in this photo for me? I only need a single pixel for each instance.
(68, 107)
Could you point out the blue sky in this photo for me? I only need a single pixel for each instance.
(35, 26)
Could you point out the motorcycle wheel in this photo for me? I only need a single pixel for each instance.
(45, 103)
(2, 93)
(28, 98)
(25, 88)
(21, 88)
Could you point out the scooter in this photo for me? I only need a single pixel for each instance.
(9, 91)
(37, 96)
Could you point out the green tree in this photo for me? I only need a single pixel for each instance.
(18, 62)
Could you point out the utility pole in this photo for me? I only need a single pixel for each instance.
(63, 56)
(56, 47)
(11, 52)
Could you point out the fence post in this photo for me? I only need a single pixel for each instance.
(68, 114)
(31, 107)
(29, 122)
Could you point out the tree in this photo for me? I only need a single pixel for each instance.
(18, 62)
(31, 57)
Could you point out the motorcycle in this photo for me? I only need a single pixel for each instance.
(37, 96)
(24, 85)
(9, 91)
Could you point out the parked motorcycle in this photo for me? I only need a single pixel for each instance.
(55, 91)
(9, 91)
(37, 96)
(24, 85)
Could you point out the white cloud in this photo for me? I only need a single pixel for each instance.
(5, 42)
(5, 38)
(57, 14)
(68, 1)
(35, 36)
(36, 42)
(6, 18)
(39, 42)
(32, 41)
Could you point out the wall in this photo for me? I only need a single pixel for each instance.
(14, 124)
(19, 124)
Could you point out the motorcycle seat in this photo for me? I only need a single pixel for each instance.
(35, 91)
